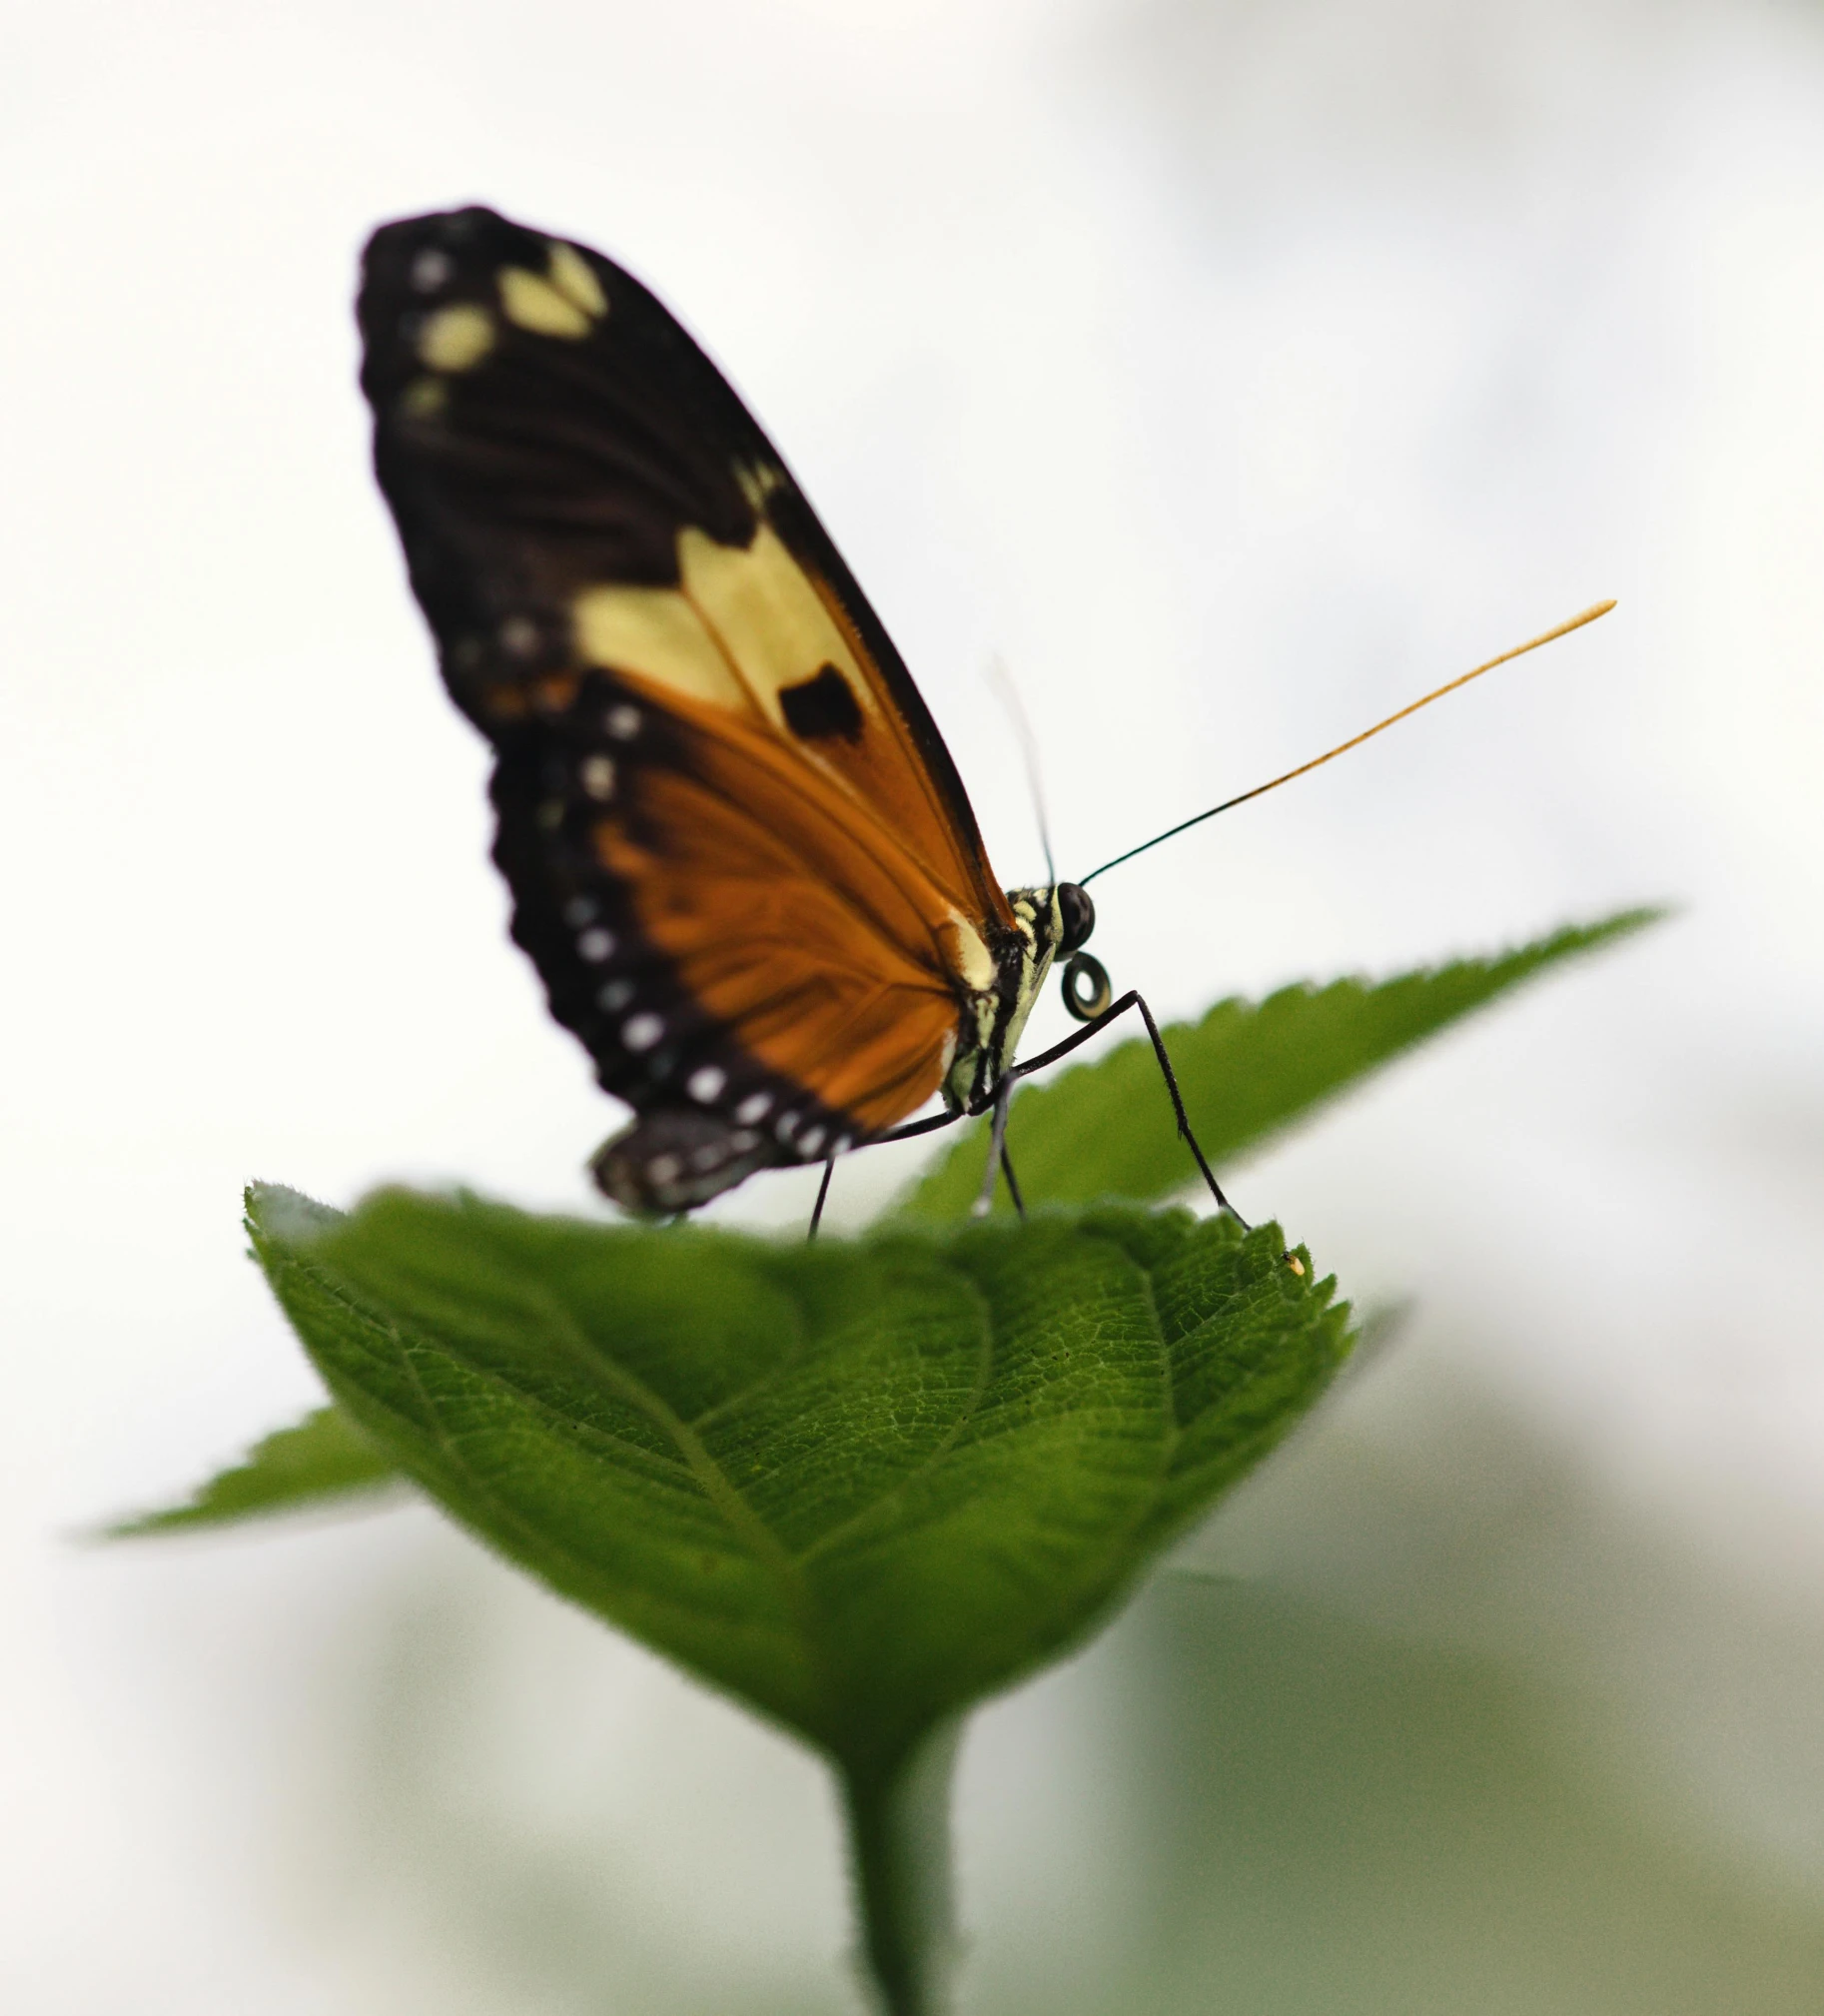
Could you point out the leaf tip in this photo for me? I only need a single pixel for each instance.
(275, 1211)
(321, 1463)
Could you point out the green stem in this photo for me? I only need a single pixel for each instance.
(899, 1850)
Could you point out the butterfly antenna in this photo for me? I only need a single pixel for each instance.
(1000, 681)
(1589, 616)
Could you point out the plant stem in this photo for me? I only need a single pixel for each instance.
(899, 1850)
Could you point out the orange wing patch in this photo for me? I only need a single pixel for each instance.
(790, 916)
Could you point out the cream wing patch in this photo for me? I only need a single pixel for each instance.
(657, 635)
(455, 338)
(564, 300)
(974, 961)
(573, 274)
(743, 623)
(766, 617)
(532, 303)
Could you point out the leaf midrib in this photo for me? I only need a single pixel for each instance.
(965, 1415)
(743, 1521)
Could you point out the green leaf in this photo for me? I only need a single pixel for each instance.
(1247, 1070)
(323, 1460)
(858, 1484)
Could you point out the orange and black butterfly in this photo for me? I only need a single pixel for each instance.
(740, 855)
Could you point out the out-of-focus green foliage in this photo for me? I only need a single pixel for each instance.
(1247, 1070)
(857, 1483)
(1421, 1766)
(322, 1460)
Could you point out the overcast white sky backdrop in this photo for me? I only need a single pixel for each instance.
(1234, 371)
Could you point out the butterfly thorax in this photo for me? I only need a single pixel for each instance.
(994, 1018)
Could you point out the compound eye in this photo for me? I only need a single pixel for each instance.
(1078, 915)
(1087, 992)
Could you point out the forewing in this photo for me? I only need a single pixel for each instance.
(578, 487)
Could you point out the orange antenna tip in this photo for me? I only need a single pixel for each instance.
(1576, 622)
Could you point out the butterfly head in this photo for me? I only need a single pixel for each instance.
(1053, 921)
(1057, 922)
(1076, 916)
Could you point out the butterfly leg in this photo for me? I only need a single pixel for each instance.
(997, 1150)
(909, 1127)
(1183, 1119)
(1013, 1187)
(823, 1190)
(1070, 1043)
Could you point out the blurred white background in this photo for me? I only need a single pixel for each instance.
(1235, 370)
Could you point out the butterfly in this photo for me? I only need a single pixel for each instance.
(740, 855)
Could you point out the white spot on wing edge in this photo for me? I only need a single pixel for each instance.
(431, 268)
(519, 637)
(707, 1083)
(640, 1032)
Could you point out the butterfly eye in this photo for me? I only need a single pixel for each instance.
(1087, 992)
(1078, 914)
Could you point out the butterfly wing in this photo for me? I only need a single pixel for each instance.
(740, 854)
